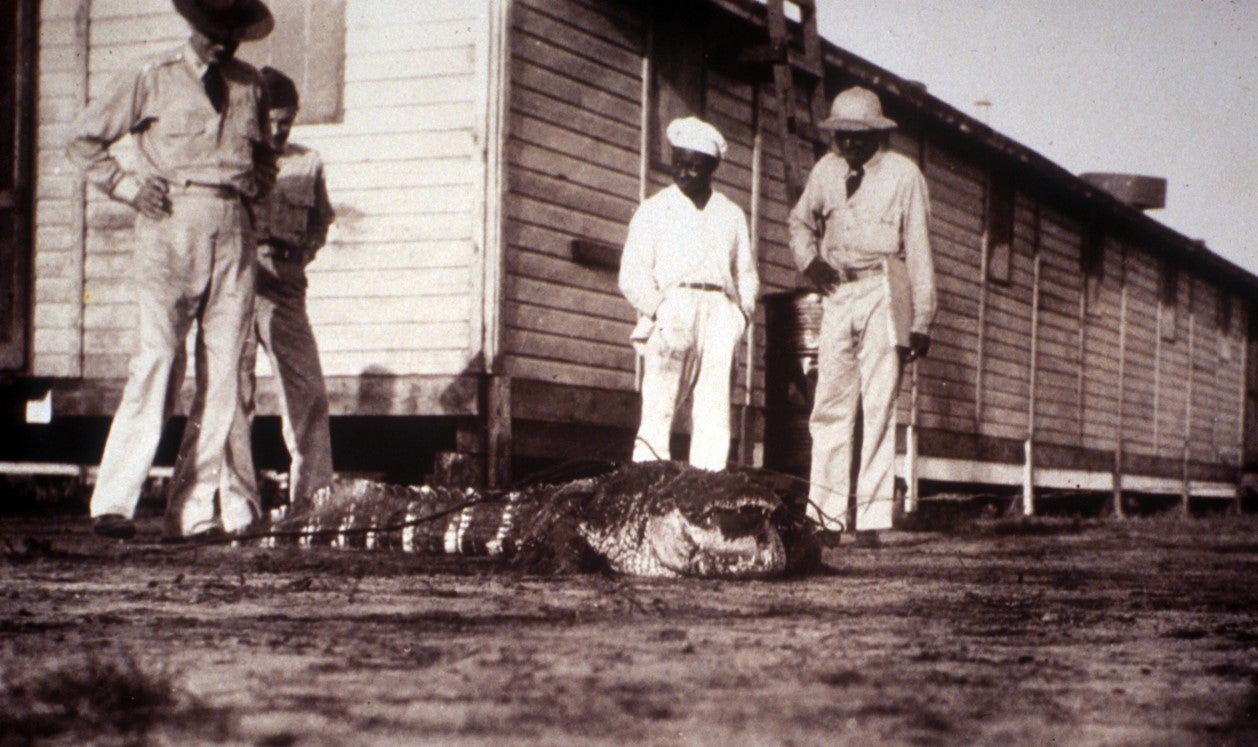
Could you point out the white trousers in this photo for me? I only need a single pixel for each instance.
(858, 366)
(282, 326)
(196, 264)
(689, 354)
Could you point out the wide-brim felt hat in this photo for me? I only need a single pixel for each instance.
(244, 20)
(857, 110)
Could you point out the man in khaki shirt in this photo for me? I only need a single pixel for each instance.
(860, 235)
(291, 225)
(196, 115)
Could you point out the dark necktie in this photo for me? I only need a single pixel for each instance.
(215, 86)
(854, 181)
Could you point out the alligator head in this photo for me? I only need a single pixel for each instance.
(670, 519)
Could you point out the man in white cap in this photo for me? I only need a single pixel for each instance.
(689, 270)
(860, 235)
(199, 125)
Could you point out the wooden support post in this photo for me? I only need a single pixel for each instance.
(78, 205)
(747, 455)
(1028, 476)
(1157, 378)
(1122, 389)
(497, 409)
(784, 85)
(1243, 326)
(1188, 412)
(911, 494)
(644, 154)
(981, 343)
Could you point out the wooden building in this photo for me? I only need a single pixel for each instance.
(484, 159)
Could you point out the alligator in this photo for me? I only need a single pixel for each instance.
(655, 519)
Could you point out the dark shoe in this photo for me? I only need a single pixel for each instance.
(204, 537)
(867, 538)
(113, 525)
(828, 537)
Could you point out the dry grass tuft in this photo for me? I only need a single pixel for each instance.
(97, 696)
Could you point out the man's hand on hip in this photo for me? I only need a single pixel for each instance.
(152, 199)
(822, 276)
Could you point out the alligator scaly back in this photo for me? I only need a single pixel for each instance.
(649, 519)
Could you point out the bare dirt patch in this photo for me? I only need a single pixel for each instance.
(1054, 630)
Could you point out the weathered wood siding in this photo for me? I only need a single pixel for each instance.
(948, 377)
(398, 288)
(1100, 342)
(573, 173)
(1058, 364)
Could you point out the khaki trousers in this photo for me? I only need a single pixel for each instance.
(858, 366)
(196, 264)
(689, 353)
(282, 326)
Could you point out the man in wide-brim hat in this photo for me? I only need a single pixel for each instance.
(200, 132)
(859, 234)
(241, 20)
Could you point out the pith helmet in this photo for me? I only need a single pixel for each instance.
(857, 109)
(245, 20)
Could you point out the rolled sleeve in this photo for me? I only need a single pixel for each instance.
(917, 254)
(637, 278)
(101, 125)
(748, 278)
(802, 222)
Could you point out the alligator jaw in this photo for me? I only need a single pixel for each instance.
(684, 548)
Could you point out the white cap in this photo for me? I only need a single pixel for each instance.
(694, 134)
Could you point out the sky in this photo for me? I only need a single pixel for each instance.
(1158, 87)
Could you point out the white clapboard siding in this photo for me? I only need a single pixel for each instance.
(397, 289)
(56, 343)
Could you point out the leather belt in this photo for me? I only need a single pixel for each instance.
(849, 274)
(280, 250)
(222, 191)
(703, 287)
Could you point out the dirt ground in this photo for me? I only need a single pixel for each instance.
(995, 631)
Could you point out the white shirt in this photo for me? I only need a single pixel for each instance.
(889, 216)
(673, 242)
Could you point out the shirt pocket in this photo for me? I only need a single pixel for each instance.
(874, 233)
(181, 125)
(290, 209)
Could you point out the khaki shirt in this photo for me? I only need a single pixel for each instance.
(179, 136)
(888, 217)
(297, 212)
(672, 242)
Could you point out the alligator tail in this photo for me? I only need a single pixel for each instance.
(371, 515)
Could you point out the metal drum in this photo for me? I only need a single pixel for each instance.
(792, 331)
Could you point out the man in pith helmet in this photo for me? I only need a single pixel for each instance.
(859, 234)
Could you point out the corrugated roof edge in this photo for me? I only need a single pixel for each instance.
(1020, 156)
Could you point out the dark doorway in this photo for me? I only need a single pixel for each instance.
(17, 88)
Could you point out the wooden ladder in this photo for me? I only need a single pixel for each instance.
(789, 67)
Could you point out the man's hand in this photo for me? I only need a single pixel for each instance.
(822, 276)
(152, 199)
(919, 345)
